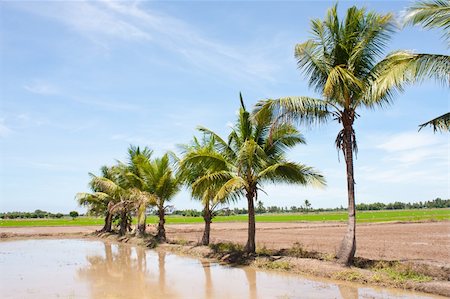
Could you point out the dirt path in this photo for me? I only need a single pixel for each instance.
(429, 241)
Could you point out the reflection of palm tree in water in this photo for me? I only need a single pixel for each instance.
(251, 280)
(122, 276)
(162, 271)
(348, 292)
(208, 279)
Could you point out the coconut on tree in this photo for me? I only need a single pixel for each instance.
(253, 155)
(344, 62)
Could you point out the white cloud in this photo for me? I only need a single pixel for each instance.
(408, 140)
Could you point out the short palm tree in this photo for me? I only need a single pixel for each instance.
(432, 14)
(122, 198)
(253, 155)
(190, 172)
(159, 179)
(139, 159)
(343, 62)
(98, 202)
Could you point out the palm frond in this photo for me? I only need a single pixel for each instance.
(294, 173)
(232, 189)
(304, 110)
(441, 123)
(430, 14)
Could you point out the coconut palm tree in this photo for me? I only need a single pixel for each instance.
(343, 62)
(253, 155)
(205, 193)
(139, 159)
(115, 195)
(432, 14)
(157, 177)
(98, 202)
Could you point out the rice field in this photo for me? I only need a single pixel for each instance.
(362, 217)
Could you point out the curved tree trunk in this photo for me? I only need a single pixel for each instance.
(347, 250)
(250, 247)
(141, 221)
(107, 228)
(123, 223)
(161, 230)
(207, 218)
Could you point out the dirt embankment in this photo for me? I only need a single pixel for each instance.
(426, 241)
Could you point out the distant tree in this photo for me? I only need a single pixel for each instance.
(73, 214)
(307, 205)
(260, 209)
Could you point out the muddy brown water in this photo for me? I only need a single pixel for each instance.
(99, 269)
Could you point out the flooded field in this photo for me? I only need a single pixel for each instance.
(98, 269)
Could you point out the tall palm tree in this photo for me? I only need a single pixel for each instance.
(253, 155)
(432, 14)
(343, 62)
(205, 193)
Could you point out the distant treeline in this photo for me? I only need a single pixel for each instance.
(260, 209)
(28, 215)
(432, 204)
(437, 203)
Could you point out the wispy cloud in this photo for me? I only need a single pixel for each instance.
(42, 88)
(414, 147)
(47, 88)
(407, 141)
(105, 21)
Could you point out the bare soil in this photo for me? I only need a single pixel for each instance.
(426, 241)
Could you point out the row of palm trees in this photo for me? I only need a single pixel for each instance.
(344, 62)
(213, 169)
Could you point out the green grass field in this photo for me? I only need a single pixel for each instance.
(362, 217)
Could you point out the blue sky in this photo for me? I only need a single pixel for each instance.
(80, 81)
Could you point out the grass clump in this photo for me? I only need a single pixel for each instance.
(297, 250)
(227, 248)
(399, 272)
(349, 275)
(264, 251)
(272, 265)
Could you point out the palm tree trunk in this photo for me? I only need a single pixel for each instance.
(250, 247)
(347, 250)
(207, 218)
(123, 223)
(141, 221)
(108, 223)
(161, 230)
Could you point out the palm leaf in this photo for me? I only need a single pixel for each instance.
(441, 123)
